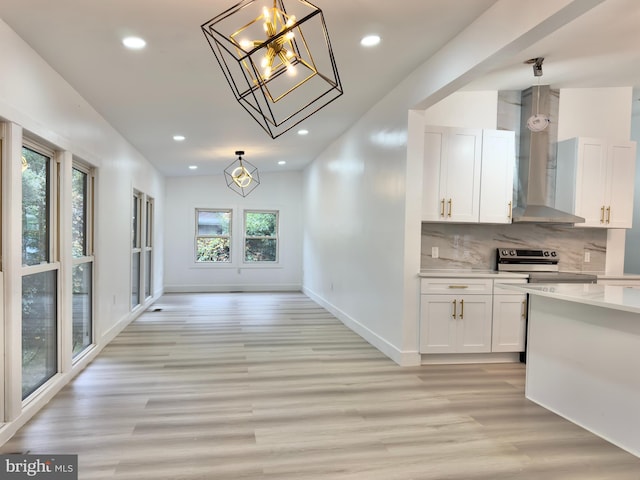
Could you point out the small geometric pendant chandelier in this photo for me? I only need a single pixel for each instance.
(241, 176)
(265, 52)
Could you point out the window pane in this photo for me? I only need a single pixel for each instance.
(260, 250)
(35, 207)
(82, 313)
(260, 224)
(135, 279)
(148, 279)
(79, 213)
(213, 250)
(39, 330)
(214, 222)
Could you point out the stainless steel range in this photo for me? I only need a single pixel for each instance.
(542, 265)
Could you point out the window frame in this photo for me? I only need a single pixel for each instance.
(53, 262)
(136, 248)
(246, 237)
(229, 237)
(89, 254)
(149, 221)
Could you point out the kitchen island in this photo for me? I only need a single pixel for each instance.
(583, 357)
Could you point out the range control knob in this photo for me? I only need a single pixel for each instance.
(553, 253)
(546, 253)
(512, 253)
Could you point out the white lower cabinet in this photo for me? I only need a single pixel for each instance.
(470, 316)
(455, 316)
(455, 324)
(509, 322)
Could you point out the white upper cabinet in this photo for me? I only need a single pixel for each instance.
(595, 180)
(458, 163)
(496, 184)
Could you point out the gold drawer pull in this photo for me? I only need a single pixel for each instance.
(510, 210)
(442, 207)
(602, 214)
(461, 309)
(454, 309)
(450, 207)
(609, 214)
(458, 286)
(524, 309)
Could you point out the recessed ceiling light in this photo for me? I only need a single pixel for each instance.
(179, 138)
(370, 41)
(134, 43)
(193, 167)
(282, 162)
(303, 132)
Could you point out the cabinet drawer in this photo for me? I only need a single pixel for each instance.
(456, 286)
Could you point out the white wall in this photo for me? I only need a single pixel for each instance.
(277, 191)
(466, 109)
(35, 101)
(355, 231)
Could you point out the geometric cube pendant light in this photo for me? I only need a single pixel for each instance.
(241, 176)
(277, 60)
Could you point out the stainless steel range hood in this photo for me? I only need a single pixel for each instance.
(537, 162)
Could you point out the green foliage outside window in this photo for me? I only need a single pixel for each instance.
(261, 231)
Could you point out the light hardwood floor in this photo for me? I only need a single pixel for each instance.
(272, 386)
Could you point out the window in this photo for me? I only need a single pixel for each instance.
(213, 236)
(136, 249)
(40, 268)
(82, 253)
(260, 236)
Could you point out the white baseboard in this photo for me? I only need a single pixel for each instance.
(402, 358)
(293, 287)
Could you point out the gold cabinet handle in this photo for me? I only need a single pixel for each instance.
(454, 309)
(458, 286)
(524, 309)
(510, 210)
(602, 214)
(461, 309)
(450, 207)
(442, 207)
(609, 214)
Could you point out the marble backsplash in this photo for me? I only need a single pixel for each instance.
(473, 246)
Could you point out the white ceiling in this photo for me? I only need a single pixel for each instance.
(174, 86)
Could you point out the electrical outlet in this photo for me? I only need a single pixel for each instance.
(434, 252)
(587, 257)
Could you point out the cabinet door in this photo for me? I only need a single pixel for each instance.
(496, 180)
(435, 149)
(438, 324)
(460, 175)
(621, 162)
(473, 330)
(590, 182)
(509, 323)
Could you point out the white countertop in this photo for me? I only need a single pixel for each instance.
(623, 276)
(608, 296)
(471, 273)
